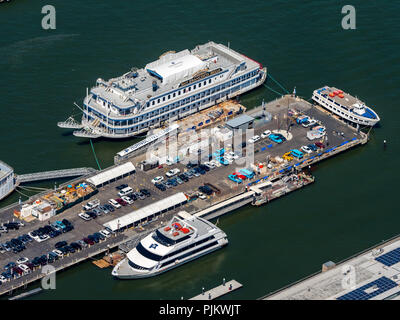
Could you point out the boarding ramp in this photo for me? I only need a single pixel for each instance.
(55, 174)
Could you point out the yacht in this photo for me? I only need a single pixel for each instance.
(183, 239)
(345, 106)
(176, 85)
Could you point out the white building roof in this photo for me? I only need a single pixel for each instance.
(146, 211)
(177, 68)
(111, 174)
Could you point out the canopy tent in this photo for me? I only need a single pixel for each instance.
(112, 174)
(147, 211)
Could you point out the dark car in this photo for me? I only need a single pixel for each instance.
(43, 260)
(145, 192)
(94, 238)
(319, 145)
(192, 164)
(60, 244)
(122, 186)
(183, 177)
(17, 270)
(11, 226)
(204, 167)
(109, 207)
(88, 241)
(99, 235)
(200, 170)
(69, 228)
(36, 261)
(69, 249)
(53, 255)
(76, 246)
(9, 265)
(172, 182)
(91, 214)
(66, 222)
(312, 147)
(50, 259)
(206, 189)
(30, 265)
(160, 186)
(121, 202)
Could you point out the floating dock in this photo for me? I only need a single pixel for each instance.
(219, 291)
(266, 185)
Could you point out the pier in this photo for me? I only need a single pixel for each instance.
(373, 274)
(219, 291)
(54, 174)
(266, 185)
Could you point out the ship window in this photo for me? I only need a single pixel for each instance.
(205, 82)
(190, 88)
(163, 99)
(194, 87)
(200, 85)
(169, 96)
(158, 101)
(174, 95)
(179, 93)
(209, 81)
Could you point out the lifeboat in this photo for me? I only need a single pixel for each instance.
(331, 94)
(341, 95)
(167, 228)
(185, 230)
(177, 225)
(176, 233)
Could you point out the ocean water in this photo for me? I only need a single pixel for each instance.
(351, 206)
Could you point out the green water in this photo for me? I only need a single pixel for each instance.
(350, 207)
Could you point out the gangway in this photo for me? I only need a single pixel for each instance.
(55, 174)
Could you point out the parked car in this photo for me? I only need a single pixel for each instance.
(22, 260)
(254, 139)
(172, 172)
(91, 204)
(157, 179)
(122, 186)
(319, 145)
(265, 134)
(128, 200)
(145, 192)
(60, 244)
(85, 216)
(306, 149)
(114, 203)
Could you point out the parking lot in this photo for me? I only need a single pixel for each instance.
(336, 133)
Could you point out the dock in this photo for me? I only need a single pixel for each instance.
(219, 291)
(54, 174)
(268, 183)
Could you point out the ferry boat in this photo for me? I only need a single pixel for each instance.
(174, 86)
(345, 106)
(183, 239)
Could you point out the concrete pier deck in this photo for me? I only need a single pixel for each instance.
(341, 137)
(218, 291)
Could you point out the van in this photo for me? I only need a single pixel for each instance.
(247, 173)
(125, 191)
(296, 153)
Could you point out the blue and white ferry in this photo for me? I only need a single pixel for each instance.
(176, 85)
(345, 106)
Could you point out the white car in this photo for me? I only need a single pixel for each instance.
(3, 279)
(215, 163)
(172, 172)
(32, 236)
(105, 233)
(42, 238)
(127, 200)
(22, 260)
(91, 205)
(232, 155)
(210, 164)
(309, 123)
(306, 149)
(114, 203)
(157, 180)
(202, 196)
(254, 139)
(24, 267)
(265, 134)
(84, 216)
(58, 252)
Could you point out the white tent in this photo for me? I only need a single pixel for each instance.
(112, 174)
(147, 211)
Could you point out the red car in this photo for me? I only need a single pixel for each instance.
(319, 145)
(17, 270)
(121, 202)
(88, 241)
(239, 175)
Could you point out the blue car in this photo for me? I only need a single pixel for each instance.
(312, 147)
(275, 138)
(247, 173)
(223, 161)
(296, 153)
(235, 178)
(219, 153)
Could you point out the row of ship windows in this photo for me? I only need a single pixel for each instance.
(172, 106)
(198, 85)
(155, 257)
(351, 117)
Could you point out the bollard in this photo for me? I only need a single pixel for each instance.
(223, 281)
(202, 291)
(209, 296)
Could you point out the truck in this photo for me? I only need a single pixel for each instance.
(91, 204)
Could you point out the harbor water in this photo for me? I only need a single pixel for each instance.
(350, 207)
